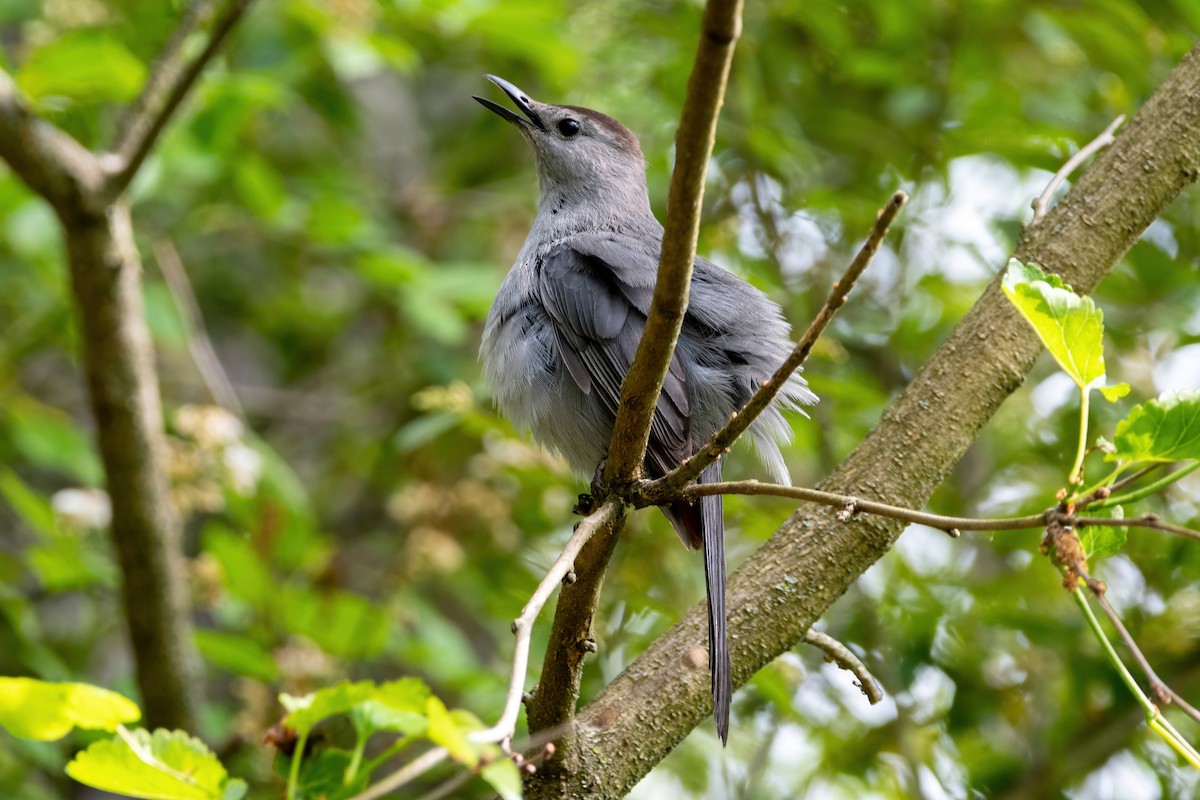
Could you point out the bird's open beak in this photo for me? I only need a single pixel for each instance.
(520, 100)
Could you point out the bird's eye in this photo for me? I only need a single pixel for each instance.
(568, 127)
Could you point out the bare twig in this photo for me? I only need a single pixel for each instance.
(857, 504)
(199, 344)
(171, 78)
(409, 772)
(1161, 692)
(1150, 521)
(602, 518)
(845, 658)
(1042, 201)
(741, 420)
(1102, 493)
(693, 147)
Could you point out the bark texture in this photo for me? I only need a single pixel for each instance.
(784, 587)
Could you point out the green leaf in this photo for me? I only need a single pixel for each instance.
(84, 66)
(30, 506)
(33, 709)
(238, 654)
(504, 777)
(445, 731)
(1166, 429)
(397, 706)
(305, 712)
(1070, 326)
(166, 765)
(1114, 393)
(1103, 541)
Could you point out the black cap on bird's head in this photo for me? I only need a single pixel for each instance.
(571, 143)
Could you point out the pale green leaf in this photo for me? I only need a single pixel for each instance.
(1070, 326)
(446, 731)
(504, 777)
(1166, 429)
(33, 709)
(1114, 393)
(165, 765)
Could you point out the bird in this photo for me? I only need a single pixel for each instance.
(566, 322)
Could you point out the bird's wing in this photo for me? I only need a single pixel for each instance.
(597, 292)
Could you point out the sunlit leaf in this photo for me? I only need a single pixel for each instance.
(446, 731)
(166, 765)
(504, 777)
(1115, 392)
(1165, 429)
(1070, 326)
(33, 709)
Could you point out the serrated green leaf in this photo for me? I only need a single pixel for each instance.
(397, 706)
(1114, 393)
(1103, 541)
(1166, 429)
(306, 711)
(1070, 326)
(504, 777)
(166, 765)
(445, 731)
(45, 711)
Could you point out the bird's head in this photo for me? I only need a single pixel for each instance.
(581, 154)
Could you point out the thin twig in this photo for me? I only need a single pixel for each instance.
(601, 519)
(1042, 201)
(723, 439)
(845, 658)
(1101, 493)
(854, 505)
(1150, 521)
(1161, 692)
(198, 342)
(171, 78)
(409, 772)
(693, 148)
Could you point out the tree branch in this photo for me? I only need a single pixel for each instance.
(841, 655)
(741, 420)
(693, 147)
(658, 699)
(1042, 201)
(171, 78)
(48, 160)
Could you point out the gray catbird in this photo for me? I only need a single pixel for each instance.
(566, 322)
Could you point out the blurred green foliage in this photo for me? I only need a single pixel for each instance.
(345, 213)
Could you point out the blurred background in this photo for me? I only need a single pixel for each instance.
(341, 213)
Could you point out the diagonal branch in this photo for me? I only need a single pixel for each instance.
(48, 160)
(741, 420)
(171, 78)
(693, 146)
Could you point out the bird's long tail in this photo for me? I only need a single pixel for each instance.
(701, 525)
(712, 521)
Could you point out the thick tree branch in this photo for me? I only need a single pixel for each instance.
(660, 697)
(118, 359)
(171, 78)
(49, 161)
(693, 146)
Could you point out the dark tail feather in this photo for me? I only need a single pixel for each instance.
(702, 525)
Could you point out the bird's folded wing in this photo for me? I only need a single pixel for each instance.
(597, 293)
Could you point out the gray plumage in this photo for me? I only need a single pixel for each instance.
(567, 320)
